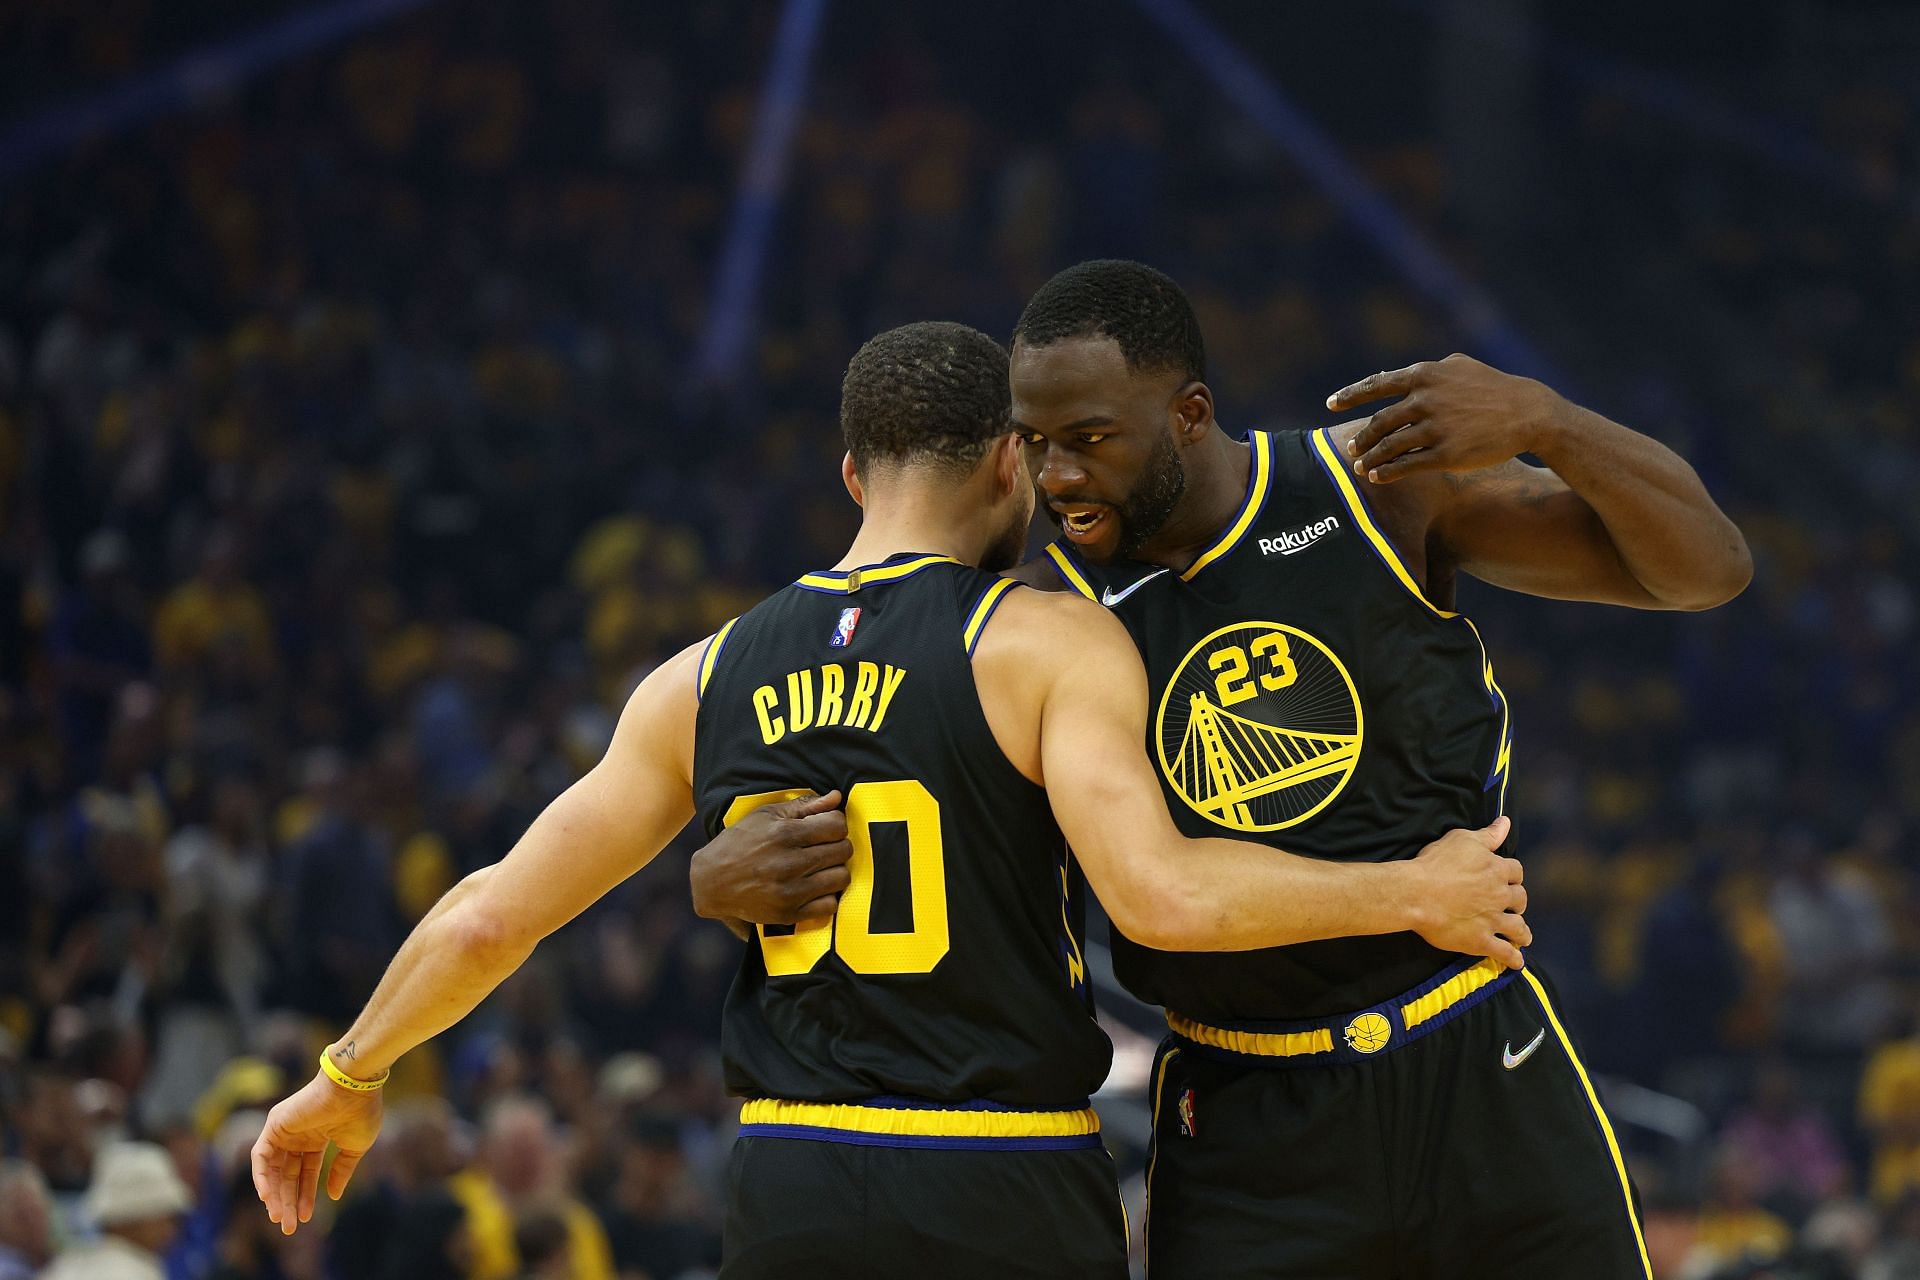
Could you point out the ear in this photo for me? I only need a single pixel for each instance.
(851, 478)
(1009, 465)
(1192, 413)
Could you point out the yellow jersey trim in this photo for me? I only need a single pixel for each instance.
(845, 581)
(977, 620)
(1286, 1044)
(1071, 572)
(1449, 993)
(712, 656)
(1258, 483)
(921, 1122)
(1343, 481)
(1593, 1100)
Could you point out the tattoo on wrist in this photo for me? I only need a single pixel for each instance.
(345, 1050)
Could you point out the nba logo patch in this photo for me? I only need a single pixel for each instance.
(1184, 1109)
(843, 630)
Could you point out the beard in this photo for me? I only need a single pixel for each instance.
(1147, 508)
(1010, 548)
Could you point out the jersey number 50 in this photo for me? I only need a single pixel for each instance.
(850, 931)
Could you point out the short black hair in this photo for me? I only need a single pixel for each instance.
(931, 392)
(1141, 309)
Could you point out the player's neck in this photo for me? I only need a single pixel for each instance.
(1217, 470)
(896, 528)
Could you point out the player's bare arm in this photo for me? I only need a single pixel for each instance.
(1614, 516)
(598, 832)
(1066, 695)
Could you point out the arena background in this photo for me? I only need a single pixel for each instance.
(384, 386)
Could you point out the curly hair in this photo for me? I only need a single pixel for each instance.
(1139, 308)
(931, 392)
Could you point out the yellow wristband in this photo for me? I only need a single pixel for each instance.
(346, 1081)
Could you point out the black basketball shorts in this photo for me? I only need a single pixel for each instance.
(1450, 1134)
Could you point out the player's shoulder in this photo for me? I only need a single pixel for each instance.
(1040, 574)
(1046, 626)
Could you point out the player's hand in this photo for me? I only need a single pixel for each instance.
(780, 864)
(286, 1159)
(1453, 415)
(1469, 899)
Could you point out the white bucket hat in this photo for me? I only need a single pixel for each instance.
(134, 1182)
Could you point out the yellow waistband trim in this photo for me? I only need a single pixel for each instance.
(1289, 1044)
(1449, 993)
(1295, 1044)
(918, 1122)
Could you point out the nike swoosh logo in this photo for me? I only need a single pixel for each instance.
(1109, 597)
(1509, 1059)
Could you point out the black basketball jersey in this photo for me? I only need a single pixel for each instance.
(1304, 693)
(953, 970)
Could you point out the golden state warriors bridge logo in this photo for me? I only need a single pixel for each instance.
(1260, 727)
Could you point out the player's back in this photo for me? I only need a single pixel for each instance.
(951, 973)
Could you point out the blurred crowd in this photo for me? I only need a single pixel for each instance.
(354, 464)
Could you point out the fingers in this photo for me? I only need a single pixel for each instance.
(1506, 953)
(1516, 899)
(818, 909)
(1433, 458)
(827, 880)
(1391, 382)
(1514, 929)
(1513, 869)
(817, 828)
(344, 1163)
(1406, 438)
(309, 1184)
(1494, 834)
(286, 1191)
(819, 857)
(806, 806)
(264, 1158)
(1384, 423)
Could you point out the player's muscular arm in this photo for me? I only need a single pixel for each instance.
(1067, 698)
(598, 832)
(1614, 517)
(601, 830)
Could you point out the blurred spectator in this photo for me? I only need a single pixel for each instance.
(522, 1169)
(1839, 949)
(1890, 1115)
(654, 1211)
(215, 609)
(1789, 1152)
(137, 1201)
(1733, 1228)
(26, 1221)
(541, 1240)
(339, 925)
(1898, 1257)
(418, 1153)
(97, 645)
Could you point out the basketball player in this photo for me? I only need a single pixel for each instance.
(1366, 1106)
(919, 1061)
